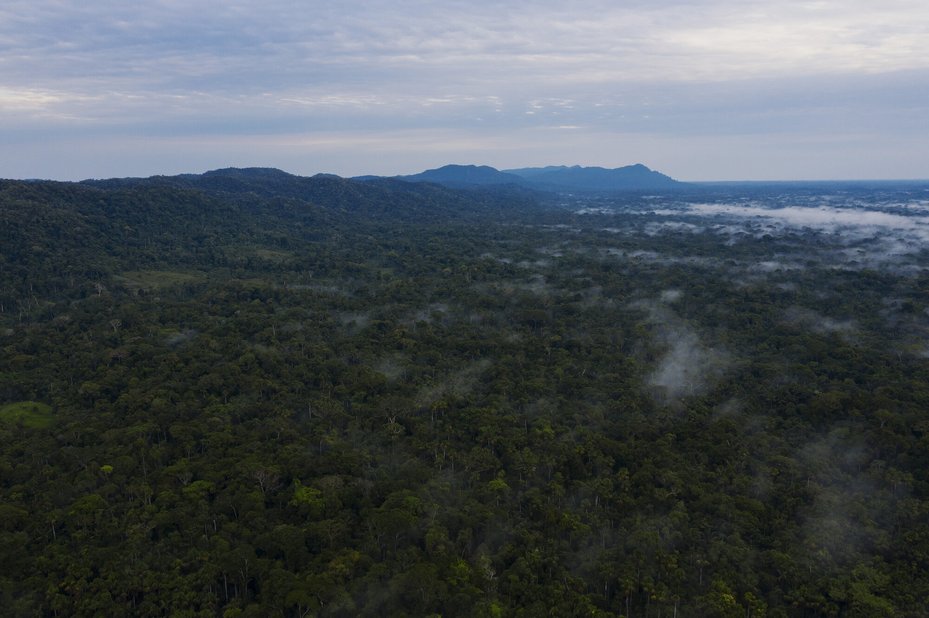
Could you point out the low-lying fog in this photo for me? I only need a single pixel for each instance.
(859, 227)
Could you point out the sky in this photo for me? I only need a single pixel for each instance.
(696, 89)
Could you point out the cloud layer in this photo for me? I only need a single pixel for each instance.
(713, 88)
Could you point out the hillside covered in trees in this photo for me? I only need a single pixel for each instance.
(247, 393)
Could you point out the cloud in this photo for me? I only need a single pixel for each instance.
(605, 39)
(687, 367)
(848, 496)
(620, 78)
(897, 233)
(855, 234)
(14, 99)
(818, 323)
(671, 296)
(823, 217)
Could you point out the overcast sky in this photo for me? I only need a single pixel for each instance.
(698, 89)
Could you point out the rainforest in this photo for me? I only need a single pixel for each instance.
(247, 393)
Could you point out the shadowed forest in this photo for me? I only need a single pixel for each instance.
(253, 394)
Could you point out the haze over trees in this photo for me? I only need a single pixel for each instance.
(247, 393)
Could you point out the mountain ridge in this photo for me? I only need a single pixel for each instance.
(557, 178)
(467, 175)
(549, 179)
(376, 197)
(634, 177)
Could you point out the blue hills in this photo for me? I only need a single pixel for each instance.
(636, 177)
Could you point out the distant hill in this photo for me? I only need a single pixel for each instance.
(97, 228)
(465, 175)
(531, 172)
(629, 178)
(552, 178)
(248, 173)
(375, 198)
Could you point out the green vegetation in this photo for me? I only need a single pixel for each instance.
(154, 279)
(32, 414)
(274, 256)
(508, 411)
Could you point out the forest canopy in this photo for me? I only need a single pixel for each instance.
(254, 394)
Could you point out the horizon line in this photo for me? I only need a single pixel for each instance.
(400, 176)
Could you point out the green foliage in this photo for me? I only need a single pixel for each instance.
(32, 414)
(269, 401)
(308, 499)
(155, 279)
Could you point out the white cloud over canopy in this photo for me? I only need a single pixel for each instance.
(823, 217)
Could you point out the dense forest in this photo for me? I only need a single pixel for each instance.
(253, 394)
